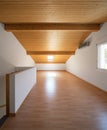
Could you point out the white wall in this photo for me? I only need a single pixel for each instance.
(17, 69)
(50, 66)
(84, 63)
(21, 84)
(2, 96)
(12, 54)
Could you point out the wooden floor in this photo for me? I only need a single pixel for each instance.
(61, 101)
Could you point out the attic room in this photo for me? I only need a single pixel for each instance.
(53, 64)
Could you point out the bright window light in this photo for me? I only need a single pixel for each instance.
(102, 56)
(50, 58)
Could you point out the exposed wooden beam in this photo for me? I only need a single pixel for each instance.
(50, 62)
(51, 26)
(50, 52)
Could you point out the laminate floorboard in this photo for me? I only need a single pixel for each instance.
(61, 101)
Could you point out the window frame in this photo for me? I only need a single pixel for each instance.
(98, 58)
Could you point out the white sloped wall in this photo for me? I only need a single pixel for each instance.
(84, 63)
(12, 54)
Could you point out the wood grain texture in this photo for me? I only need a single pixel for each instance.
(51, 40)
(44, 58)
(51, 26)
(66, 11)
(50, 52)
(61, 101)
(46, 25)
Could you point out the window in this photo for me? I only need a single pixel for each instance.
(102, 56)
(50, 58)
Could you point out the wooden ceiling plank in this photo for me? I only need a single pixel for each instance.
(56, 59)
(50, 52)
(51, 26)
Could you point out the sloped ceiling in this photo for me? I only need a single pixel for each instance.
(52, 27)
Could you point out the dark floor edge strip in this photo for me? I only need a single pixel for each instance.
(3, 119)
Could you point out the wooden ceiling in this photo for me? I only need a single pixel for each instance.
(52, 27)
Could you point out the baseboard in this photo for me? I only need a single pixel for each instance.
(87, 82)
(12, 114)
